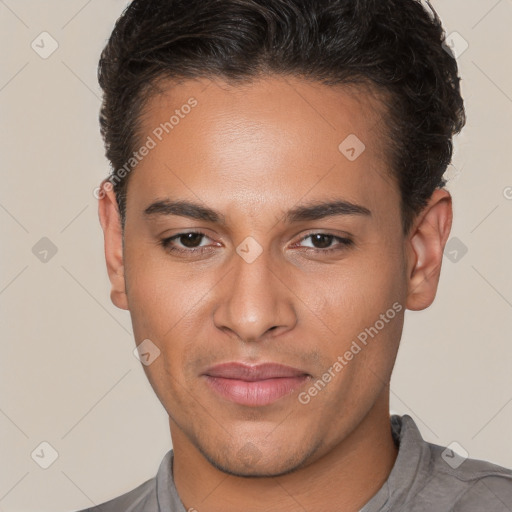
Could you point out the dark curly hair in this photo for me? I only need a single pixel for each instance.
(394, 46)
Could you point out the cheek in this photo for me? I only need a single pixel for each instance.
(160, 293)
(352, 297)
(163, 306)
(364, 312)
(169, 305)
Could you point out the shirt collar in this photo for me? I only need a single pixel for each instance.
(410, 465)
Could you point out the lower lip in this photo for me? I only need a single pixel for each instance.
(257, 393)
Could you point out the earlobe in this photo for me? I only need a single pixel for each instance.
(425, 250)
(110, 221)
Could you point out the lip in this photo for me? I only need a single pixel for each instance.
(254, 385)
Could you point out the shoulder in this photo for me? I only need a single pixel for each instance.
(140, 499)
(492, 493)
(427, 477)
(472, 484)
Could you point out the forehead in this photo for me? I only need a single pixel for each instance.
(306, 108)
(269, 141)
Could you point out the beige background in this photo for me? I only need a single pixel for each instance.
(68, 375)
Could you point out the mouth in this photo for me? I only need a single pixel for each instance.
(254, 385)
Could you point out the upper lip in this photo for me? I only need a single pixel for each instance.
(251, 373)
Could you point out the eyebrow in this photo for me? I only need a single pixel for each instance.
(311, 211)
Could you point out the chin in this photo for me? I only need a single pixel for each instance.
(251, 462)
(257, 470)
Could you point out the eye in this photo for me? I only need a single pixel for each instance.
(189, 242)
(322, 242)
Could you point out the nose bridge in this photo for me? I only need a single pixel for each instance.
(253, 300)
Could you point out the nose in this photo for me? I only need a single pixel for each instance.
(253, 301)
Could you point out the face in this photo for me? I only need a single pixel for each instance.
(267, 265)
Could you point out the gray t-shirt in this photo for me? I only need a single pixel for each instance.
(425, 478)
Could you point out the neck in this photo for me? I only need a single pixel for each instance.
(349, 475)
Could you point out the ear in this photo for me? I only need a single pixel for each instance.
(425, 250)
(110, 221)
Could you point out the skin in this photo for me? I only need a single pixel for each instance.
(252, 152)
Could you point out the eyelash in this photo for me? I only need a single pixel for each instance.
(166, 243)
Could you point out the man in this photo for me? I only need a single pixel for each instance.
(276, 203)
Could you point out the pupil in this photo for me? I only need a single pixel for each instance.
(189, 239)
(325, 240)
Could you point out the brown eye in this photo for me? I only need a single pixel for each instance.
(323, 242)
(190, 239)
(189, 242)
